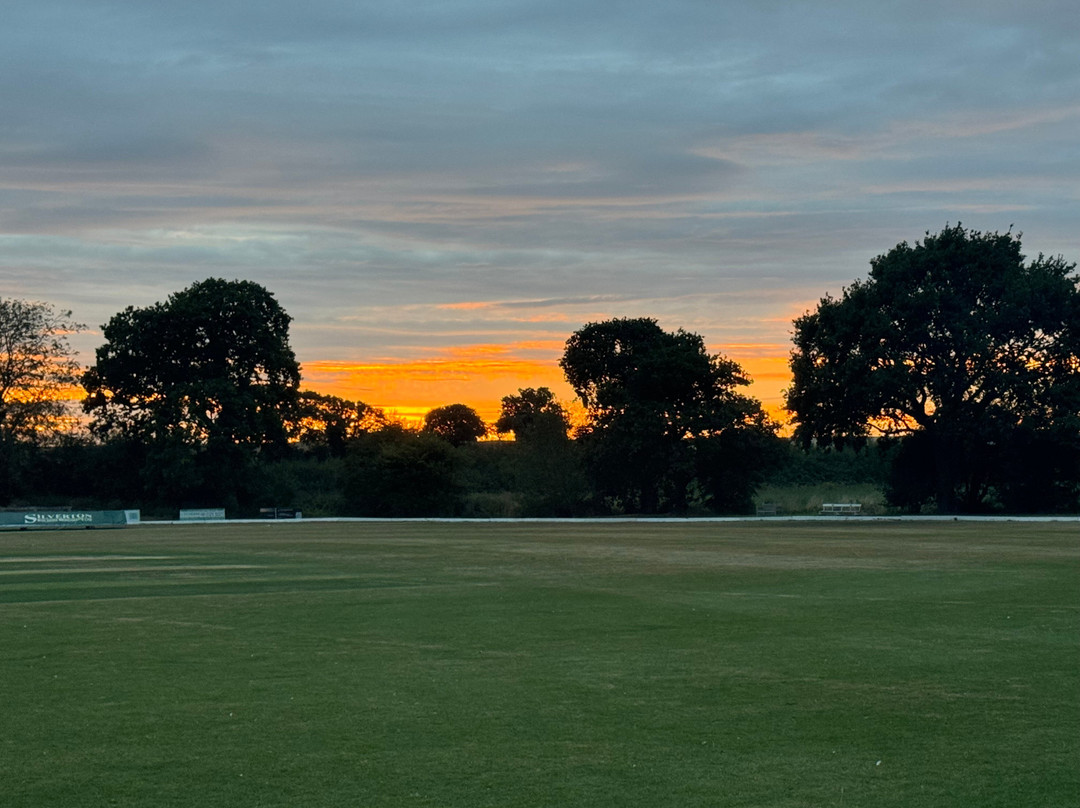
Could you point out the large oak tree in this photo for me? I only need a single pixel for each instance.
(206, 379)
(962, 348)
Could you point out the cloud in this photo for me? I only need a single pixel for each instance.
(415, 175)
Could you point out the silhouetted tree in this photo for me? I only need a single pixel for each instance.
(654, 398)
(325, 424)
(533, 414)
(398, 472)
(37, 371)
(547, 469)
(956, 345)
(207, 379)
(457, 424)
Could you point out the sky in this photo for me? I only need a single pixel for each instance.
(441, 193)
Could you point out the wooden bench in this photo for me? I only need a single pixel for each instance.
(768, 509)
(841, 509)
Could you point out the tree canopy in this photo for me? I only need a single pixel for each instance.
(631, 368)
(212, 364)
(660, 408)
(956, 339)
(457, 424)
(327, 423)
(533, 414)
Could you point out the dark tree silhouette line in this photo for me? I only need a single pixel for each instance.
(955, 363)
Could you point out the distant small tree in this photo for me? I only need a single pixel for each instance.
(533, 414)
(547, 466)
(457, 424)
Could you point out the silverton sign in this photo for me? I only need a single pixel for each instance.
(59, 519)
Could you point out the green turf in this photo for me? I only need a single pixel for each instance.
(420, 664)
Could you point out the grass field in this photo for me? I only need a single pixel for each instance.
(421, 664)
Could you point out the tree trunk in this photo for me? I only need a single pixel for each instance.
(947, 465)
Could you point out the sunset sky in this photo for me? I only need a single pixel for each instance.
(440, 193)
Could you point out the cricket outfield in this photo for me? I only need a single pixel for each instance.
(524, 664)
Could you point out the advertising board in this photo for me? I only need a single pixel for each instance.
(52, 520)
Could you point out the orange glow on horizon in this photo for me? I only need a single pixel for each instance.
(480, 375)
(476, 375)
(767, 366)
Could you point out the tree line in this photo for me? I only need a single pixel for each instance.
(955, 363)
